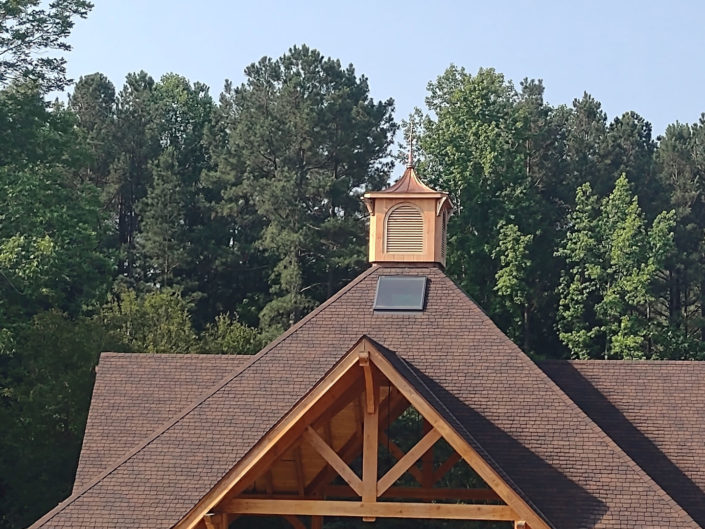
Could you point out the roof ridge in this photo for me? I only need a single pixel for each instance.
(200, 400)
(623, 361)
(115, 354)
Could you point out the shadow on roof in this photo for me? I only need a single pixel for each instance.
(629, 438)
(563, 502)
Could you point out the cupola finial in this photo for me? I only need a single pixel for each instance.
(410, 162)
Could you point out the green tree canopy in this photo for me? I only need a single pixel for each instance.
(27, 31)
(305, 140)
(609, 289)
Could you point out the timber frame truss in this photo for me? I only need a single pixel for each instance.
(292, 471)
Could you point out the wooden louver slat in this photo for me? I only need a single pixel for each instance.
(404, 230)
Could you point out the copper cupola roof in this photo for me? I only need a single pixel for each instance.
(409, 183)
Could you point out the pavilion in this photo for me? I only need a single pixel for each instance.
(304, 429)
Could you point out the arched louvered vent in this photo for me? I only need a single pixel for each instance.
(444, 234)
(404, 230)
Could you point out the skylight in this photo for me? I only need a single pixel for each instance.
(400, 293)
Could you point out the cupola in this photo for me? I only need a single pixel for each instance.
(408, 221)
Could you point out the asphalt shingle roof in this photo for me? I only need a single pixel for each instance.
(655, 412)
(547, 447)
(134, 394)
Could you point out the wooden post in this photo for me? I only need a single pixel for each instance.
(370, 444)
(301, 485)
(316, 522)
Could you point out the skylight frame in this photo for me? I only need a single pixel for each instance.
(418, 283)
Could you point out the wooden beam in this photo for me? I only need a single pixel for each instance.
(299, 470)
(280, 438)
(326, 474)
(457, 442)
(294, 521)
(334, 460)
(520, 524)
(446, 466)
(398, 453)
(369, 381)
(224, 520)
(370, 509)
(411, 457)
(316, 522)
(427, 461)
(418, 493)
(370, 448)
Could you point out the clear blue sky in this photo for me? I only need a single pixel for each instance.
(647, 56)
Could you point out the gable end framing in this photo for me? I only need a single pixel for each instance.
(296, 425)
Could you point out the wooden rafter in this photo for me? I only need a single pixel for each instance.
(280, 438)
(450, 511)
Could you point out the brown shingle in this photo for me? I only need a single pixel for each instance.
(547, 447)
(655, 411)
(135, 393)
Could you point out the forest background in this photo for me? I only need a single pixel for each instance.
(152, 217)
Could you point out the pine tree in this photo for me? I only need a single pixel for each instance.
(307, 139)
(137, 146)
(585, 139)
(163, 241)
(93, 103)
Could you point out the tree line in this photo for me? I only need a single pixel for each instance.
(582, 238)
(155, 218)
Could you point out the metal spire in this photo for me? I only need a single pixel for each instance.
(410, 162)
